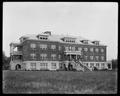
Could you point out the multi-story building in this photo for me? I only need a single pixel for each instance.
(56, 52)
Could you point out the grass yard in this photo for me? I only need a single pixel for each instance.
(60, 82)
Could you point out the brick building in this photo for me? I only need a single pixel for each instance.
(46, 51)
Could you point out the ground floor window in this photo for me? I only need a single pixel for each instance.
(102, 65)
(43, 65)
(97, 65)
(33, 66)
(60, 64)
(86, 64)
(91, 65)
(53, 65)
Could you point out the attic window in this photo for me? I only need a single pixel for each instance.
(68, 39)
(42, 37)
(96, 42)
(23, 39)
(85, 41)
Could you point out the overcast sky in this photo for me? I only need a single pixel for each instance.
(91, 20)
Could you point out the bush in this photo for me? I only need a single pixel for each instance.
(5, 62)
(95, 69)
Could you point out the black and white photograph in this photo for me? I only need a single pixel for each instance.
(60, 48)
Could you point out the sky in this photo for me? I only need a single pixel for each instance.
(91, 20)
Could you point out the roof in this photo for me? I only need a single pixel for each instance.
(58, 38)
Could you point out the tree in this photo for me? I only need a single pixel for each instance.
(114, 64)
(5, 61)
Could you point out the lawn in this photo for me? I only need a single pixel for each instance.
(60, 82)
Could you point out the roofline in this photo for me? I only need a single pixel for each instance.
(67, 43)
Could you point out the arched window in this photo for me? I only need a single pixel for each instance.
(18, 67)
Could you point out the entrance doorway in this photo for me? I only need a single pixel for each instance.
(109, 66)
(18, 67)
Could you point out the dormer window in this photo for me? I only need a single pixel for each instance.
(85, 41)
(68, 39)
(96, 42)
(23, 39)
(42, 37)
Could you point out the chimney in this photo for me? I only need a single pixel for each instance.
(47, 32)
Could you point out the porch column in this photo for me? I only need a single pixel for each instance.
(76, 57)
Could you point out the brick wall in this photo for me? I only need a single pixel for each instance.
(27, 50)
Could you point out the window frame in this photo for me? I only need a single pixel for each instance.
(79, 48)
(97, 50)
(53, 47)
(43, 65)
(33, 66)
(33, 46)
(33, 55)
(91, 57)
(97, 58)
(43, 46)
(85, 49)
(43, 57)
(91, 49)
(54, 67)
(53, 56)
(102, 58)
(102, 50)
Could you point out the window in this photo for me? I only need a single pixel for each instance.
(43, 38)
(60, 65)
(70, 48)
(43, 46)
(86, 64)
(86, 57)
(73, 48)
(66, 48)
(43, 65)
(102, 57)
(97, 58)
(59, 56)
(53, 56)
(33, 55)
(59, 47)
(91, 49)
(53, 47)
(102, 65)
(97, 65)
(33, 66)
(102, 50)
(79, 48)
(33, 46)
(85, 49)
(91, 57)
(43, 56)
(69, 40)
(96, 49)
(85, 41)
(53, 65)
(91, 64)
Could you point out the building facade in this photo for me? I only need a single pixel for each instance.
(53, 52)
